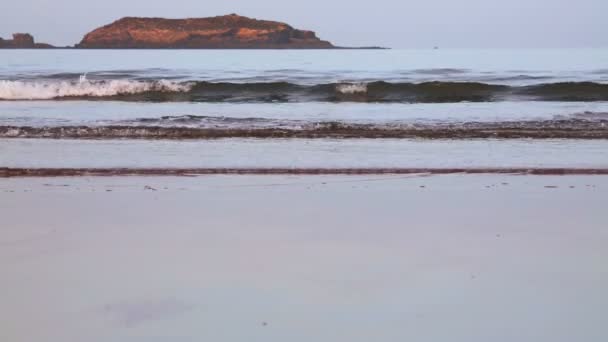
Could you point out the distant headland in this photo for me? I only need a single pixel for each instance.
(223, 32)
(22, 41)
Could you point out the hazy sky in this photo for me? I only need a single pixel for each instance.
(393, 23)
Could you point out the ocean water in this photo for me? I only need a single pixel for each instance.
(201, 94)
(312, 66)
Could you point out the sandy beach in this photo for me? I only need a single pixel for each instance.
(271, 171)
(304, 258)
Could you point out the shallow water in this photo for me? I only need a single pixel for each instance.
(92, 113)
(303, 153)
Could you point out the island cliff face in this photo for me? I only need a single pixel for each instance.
(22, 41)
(223, 32)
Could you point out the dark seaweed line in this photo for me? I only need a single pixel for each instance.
(107, 172)
(326, 132)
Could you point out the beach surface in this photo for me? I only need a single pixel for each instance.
(304, 258)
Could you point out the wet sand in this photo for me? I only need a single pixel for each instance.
(304, 258)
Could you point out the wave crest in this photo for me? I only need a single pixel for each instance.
(378, 91)
(201, 127)
(354, 88)
(45, 90)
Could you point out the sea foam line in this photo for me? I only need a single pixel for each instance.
(108, 172)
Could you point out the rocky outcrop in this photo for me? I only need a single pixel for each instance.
(223, 32)
(22, 41)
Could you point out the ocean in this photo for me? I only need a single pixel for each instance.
(318, 104)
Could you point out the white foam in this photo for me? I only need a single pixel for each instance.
(44, 90)
(354, 88)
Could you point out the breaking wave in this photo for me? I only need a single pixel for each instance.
(214, 122)
(186, 127)
(352, 88)
(379, 91)
(46, 90)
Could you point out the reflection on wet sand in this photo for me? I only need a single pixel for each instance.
(323, 258)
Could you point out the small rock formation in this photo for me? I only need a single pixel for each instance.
(223, 32)
(22, 41)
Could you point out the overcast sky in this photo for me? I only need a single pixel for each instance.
(392, 23)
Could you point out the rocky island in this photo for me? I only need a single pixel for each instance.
(222, 32)
(22, 41)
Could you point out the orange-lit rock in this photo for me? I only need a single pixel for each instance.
(223, 32)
